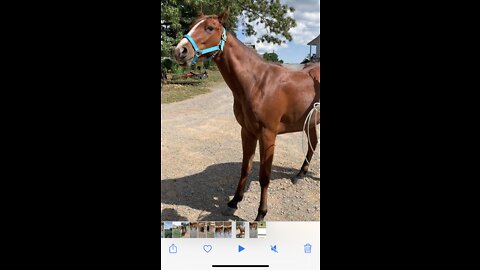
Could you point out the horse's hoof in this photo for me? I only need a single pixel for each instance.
(232, 204)
(295, 179)
(259, 218)
(229, 211)
(261, 215)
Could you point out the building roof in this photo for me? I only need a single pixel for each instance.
(315, 41)
(250, 45)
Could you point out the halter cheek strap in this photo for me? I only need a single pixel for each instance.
(199, 53)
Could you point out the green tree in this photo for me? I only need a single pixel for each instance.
(176, 16)
(272, 57)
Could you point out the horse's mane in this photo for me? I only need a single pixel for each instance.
(254, 53)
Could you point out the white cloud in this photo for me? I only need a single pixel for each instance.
(261, 47)
(307, 16)
(266, 47)
(312, 18)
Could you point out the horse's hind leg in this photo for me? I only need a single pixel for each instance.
(304, 169)
(249, 143)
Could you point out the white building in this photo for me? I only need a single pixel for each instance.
(315, 42)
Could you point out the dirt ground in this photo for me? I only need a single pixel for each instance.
(201, 161)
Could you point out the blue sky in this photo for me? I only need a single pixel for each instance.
(307, 16)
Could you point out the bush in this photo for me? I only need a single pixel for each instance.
(167, 64)
(176, 69)
(271, 57)
(206, 64)
(212, 65)
(198, 66)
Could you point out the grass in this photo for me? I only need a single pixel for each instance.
(176, 233)
(178, 92)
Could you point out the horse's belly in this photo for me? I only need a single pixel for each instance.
(287, 128)
(298, 125)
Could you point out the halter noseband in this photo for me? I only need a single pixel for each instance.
(199, 53)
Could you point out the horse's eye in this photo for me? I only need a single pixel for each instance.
(210, 28)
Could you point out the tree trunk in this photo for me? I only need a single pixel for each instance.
(164, 75)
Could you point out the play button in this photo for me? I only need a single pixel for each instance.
(240, 248)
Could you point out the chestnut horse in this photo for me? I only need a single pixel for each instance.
(241, 229)
(268, 98)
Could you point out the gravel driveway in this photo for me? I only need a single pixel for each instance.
(201, 161)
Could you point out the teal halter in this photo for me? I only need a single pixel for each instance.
(199, 53)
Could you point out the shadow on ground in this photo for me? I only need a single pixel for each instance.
(171, 214)
(209, 190)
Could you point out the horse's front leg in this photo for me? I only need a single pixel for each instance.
(249, 143)
(267, 147)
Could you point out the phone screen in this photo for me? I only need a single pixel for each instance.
(240, 145)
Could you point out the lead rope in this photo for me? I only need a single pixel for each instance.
(306, 129)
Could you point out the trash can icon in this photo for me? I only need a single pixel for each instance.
(308, 248)
(172, 249)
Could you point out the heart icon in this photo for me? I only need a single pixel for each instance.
(207, 248)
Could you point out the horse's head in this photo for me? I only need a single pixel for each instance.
(205, 38)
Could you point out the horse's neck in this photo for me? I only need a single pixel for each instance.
(236, 64)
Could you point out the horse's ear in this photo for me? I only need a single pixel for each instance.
(222, 17)
(200, 12)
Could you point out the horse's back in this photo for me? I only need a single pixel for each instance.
(311, 65)
(313, 70)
